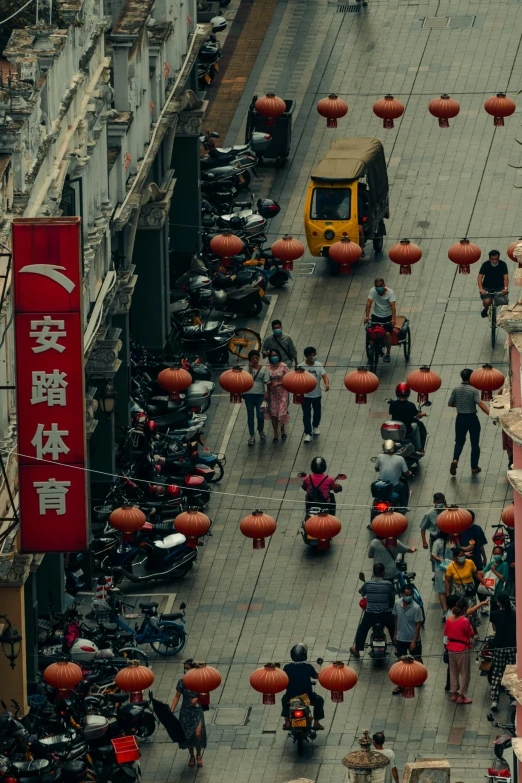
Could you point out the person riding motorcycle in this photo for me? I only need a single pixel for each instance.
(301, 677)
(392, 467)
(320, 487)
(405, 411)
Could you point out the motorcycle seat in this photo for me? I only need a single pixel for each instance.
(202, 330)
(163, 527)
(148, 607)
(176, 539)
(109, 627)
(409, 575)
(175, 616)
(35, 767)
(118, 698)
(125, 636)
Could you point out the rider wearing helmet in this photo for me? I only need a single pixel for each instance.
(319, 486)
(300, 677)
(391, 467)
(403, 410)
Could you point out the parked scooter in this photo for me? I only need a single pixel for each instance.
(505, 759)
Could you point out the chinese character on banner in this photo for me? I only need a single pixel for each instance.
(50, 384)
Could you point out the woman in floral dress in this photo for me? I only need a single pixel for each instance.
(192, 719)
(277, 396)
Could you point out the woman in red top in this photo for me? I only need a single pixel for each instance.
(459, 632)
(319, 487)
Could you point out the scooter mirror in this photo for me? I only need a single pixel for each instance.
(320, 661)
(373, 459)
(301, 475)
(490, 717)
(426, 404)
(183, 605)
(362, 577)
(341, 477)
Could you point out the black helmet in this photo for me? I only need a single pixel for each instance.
(318, 465)
(299, 652)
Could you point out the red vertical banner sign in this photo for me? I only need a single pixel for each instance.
(50, 384)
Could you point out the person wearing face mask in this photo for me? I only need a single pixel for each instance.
(280, 342)
(276, 396)
(408, 621)
(465, 399)
(492, 278)
(505, 643)
(459, 633)
(461, 575)
(499, 568)
(312, 400)
(384, 311)
(429, 521)
(255, 396)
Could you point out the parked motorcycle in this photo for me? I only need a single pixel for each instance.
(505, 759)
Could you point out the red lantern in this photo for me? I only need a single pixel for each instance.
(299, 382)
(202, 679)
(270, 107)
(174, 380)
(464, 253)
(345, 253)
(424, 381)
(388, 109)
(408, 674)
(406, 254)
(454, 521)
(288, 250)
(361, 382)
(64, 676)
(193, 524)
(445, 108)
(258, 526)
(269, 680)
(515, 252)
(127, 518)
(226, 245)
(508, 515)
(389, 525)
(487, 380)
(337, 678)
(499, 107)
(333, 108)
(323, 527)
(134, 679)
(237, 382)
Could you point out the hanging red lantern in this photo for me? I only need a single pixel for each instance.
(424, 381)
(487, 380)
(288, 250)
(464, 253)
(514, 251)
(408, 674)
(499, 106)
(388, 109)
(202, 679)
(258, 526)
(337, 678)
(508, 515)
(322, 527)
(345, 253)
(193, 524)
(405, 253)
(299, 382)
(445, 108)
(134, 679)
(361, 382)
(174, 380)
(270, 107)
(333, 108)
(269, 680)
(454, 521)
(127, 518)
(389, 525)
(226, 245)
(64, 676)
(237, 382)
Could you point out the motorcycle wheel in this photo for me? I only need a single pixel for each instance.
(219, 356)
(134, 654)
(279, 279)
(173, 640)
(219, 472)
(253, 306)
(179, 574)
(147, 726)
(300, 744)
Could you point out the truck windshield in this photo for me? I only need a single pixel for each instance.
(331, 204)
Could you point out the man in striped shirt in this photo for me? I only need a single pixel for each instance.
(380, 597)
(465, 399)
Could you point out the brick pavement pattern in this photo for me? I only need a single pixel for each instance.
(247, 607)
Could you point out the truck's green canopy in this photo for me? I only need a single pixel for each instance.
(350, 159)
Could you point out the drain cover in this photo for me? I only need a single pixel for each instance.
(348, 9)
(448, 22)
(230, 716)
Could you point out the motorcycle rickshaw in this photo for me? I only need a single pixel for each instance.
(347, 196)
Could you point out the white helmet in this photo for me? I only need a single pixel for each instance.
(388, 446)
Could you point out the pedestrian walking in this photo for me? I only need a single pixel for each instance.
(192, 719)
(276, 396)
(390, 773)
(498, 570)
(312, 400)
(473, 541)
(429, 521)
(459, 633)
(379, 594)
(255, 396)
(386, 555)
(465, 399)
(408, 621)
(505, 643)
(441, 556)
(280, 342)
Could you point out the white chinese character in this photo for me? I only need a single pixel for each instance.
(52, 495)
(46, 338)
(54, 445)
(49, 387)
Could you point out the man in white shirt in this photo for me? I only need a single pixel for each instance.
(312, 400)
(384, 311)
(391, 770)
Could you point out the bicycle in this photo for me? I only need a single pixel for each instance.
(375, 347)
(492, 315)
(162, 632)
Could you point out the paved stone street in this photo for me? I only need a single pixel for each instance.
(247, 607)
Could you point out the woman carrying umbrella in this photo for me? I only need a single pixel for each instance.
(191, 718)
